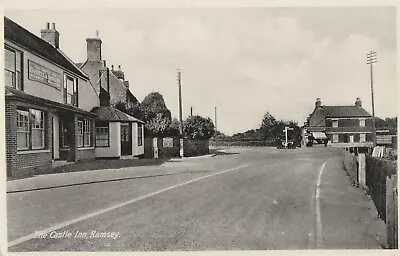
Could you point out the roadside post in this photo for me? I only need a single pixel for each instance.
(286, 135)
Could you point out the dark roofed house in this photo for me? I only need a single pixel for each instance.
(343, 126)
(47, 100)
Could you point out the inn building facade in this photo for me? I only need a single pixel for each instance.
(343, 126)
(50, 103)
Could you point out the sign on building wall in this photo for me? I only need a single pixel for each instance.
(168, 142)
(44, 75)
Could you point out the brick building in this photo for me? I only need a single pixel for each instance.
(343, 126)
(46, 119)
(53, 108)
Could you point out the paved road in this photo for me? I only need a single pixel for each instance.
(245, 199)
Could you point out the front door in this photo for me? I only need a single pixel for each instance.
(126, 139)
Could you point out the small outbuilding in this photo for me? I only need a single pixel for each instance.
(117, 133)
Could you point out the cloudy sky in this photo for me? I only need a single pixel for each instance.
(244, 61)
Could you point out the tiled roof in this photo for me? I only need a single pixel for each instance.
(11, 93)
(111, 114)
(345, 111)
(24, 38)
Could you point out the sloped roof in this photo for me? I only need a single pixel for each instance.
(11, 93)
(24, 38)
(345, 111)
(111, 114)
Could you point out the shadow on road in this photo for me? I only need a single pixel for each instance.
(98, 164)
(218, 152)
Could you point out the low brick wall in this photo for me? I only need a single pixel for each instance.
(85, 154)
(163, 152)
(195, 147)
(168, 152)
(30, 164)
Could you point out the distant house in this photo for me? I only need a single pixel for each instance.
(343, 126)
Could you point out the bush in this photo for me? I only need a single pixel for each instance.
(197, 127)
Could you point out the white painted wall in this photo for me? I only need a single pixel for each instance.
(137, 150)
(114, 150)
(87, 96)
(56, 136)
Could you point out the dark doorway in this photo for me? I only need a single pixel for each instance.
(126, 139)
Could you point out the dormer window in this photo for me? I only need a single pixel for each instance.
(70, 90)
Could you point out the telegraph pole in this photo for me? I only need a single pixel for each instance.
(371, 59)
(215, 117)
(181, 151)
(180, 102)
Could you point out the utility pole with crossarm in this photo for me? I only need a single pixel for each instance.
(371, 59)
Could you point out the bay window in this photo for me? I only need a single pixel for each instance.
(13, 68)
(30, 129)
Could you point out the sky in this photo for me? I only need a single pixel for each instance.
(244, 61)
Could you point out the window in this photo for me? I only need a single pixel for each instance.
(362, 137)
(335, 123)
(30, 129)
(362, 122)
(22, 129)
(80, 134)
(70, 90)
(102, 136)
(87, 135)
(335, 138)
(140, 134)
(84, 133)
(13, 68)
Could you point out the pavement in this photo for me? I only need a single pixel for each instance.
(243, 199)
(57, 180)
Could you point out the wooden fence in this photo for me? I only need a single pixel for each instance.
(391, 211)
(381, 180)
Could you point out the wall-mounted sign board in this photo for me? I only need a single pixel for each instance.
(44, 75)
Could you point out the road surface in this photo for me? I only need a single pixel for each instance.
(244, 199)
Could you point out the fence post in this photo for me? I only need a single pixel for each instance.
(155, 148)
(391, 211)
(361, 170)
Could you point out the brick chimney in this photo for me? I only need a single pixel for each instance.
(51, 35)
(358, 103)
(94, 48)
(318, 103)
(118, 73)
(126, 83)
